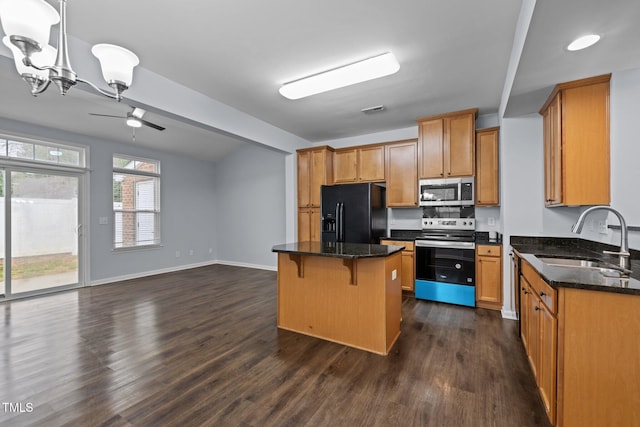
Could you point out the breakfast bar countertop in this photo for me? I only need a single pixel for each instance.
(338, 249)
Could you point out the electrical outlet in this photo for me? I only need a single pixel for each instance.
(103, 220)
(210, 250)
(602, 227)
(177, 254)
(190, 252)
(491, 221)
(394, 274)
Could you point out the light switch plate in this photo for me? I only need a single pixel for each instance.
(394, 274)
(103, 220)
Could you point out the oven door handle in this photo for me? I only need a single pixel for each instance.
(443, 244)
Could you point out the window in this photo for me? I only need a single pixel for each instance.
(42, 152)
(136, 202)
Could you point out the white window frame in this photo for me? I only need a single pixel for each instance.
(81, 170)
(53, 162)
(119, 245)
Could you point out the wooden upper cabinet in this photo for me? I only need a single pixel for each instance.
(487, 167)
(576, 143)
(552, 153)
(446, 145)
(345, 165)
(304, 172)
(430, 140)
(315, 168)
(402, 174)
(359, 164)
(371, 163)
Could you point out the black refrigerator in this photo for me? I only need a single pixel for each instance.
(353, 213)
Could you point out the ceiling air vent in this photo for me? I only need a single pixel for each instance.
(371, 110)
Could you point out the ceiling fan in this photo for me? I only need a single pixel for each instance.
(134, 119)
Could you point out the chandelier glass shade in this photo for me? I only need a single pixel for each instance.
(46, 56)
(117, 62)
(27, 25)
(28, 18)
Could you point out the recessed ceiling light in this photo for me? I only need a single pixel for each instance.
(583, 42)
(357, 72)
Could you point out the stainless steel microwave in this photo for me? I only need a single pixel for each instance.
(446, 192)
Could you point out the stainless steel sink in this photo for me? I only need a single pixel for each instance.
(572, 262)
(602, 267)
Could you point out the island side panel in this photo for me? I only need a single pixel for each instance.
(393, 298)
(324, 304)
(599, 356)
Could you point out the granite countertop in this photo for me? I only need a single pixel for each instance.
(574, 277)
(482, 237)
(338, 250)
(399, 239)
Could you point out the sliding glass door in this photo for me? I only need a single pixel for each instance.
(42, 226)
(3, 254)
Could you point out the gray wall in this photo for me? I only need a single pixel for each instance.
(250, 203)
(188, 203)
(187, 198)
(522, 208)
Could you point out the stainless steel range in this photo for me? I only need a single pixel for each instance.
(445, 256)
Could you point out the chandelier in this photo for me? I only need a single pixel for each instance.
(27, 27)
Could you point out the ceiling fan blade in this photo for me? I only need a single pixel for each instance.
(151, 125)
(107, 115)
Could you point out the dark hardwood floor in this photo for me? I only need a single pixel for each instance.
(201, 347)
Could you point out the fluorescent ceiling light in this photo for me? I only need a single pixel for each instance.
(368, 69)
(583, 42)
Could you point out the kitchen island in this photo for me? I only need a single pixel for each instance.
(348, 293)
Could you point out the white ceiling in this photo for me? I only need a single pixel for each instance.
(453, 55)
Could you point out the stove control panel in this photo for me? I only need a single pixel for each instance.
(448, 224)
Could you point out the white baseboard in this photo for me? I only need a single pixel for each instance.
(149, 273)
(244, 264)
(179, 268)
(509, 314)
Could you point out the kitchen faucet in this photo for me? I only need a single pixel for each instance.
(623, 254)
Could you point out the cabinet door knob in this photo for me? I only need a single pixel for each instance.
(542, 294)
(537, 308)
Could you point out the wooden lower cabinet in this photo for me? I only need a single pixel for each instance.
(583, 348)
(408, 275)
(598, 358)
(540, 334)
(548, 358)
(489, 277)
(309, 224)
